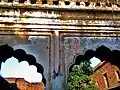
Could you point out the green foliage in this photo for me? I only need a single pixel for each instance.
(80, 77)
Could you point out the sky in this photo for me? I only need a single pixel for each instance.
(12, 68)
(94, 61)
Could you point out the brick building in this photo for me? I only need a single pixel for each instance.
(107, 76)
(24, 85)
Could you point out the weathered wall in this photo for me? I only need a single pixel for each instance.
(67, 28)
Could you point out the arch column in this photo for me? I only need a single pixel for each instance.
(50, 2)
(60, 2)
(56, 50)
(39, 2)
(4, 1)
(16, 1)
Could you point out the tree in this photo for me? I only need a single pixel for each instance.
(80, 77)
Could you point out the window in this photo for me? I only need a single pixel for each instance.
(44, 1)
(117, 75)
(10, 0)
(97, 83)
(106, 80)
(22, 1)
(31, 1)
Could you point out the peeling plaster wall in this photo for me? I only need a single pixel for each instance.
(68, 28)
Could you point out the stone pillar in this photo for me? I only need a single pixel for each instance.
(61, 2)
(50, 2)
(39, 2)
(56, 45)
(16, 1)
(4, 1)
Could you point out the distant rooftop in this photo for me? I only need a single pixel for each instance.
(99, 65)
(12, 79)
(23, 85)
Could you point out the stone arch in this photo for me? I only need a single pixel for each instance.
(69, 68)
(103, 53)
(7, 51)
(72, 63)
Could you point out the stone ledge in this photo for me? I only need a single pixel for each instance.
(57, 7)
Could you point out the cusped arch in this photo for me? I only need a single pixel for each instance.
(69, 67)
(7, 52)
(103, 53)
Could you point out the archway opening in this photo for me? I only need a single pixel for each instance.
(17, 63)
(103, 62)
(101, 54)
